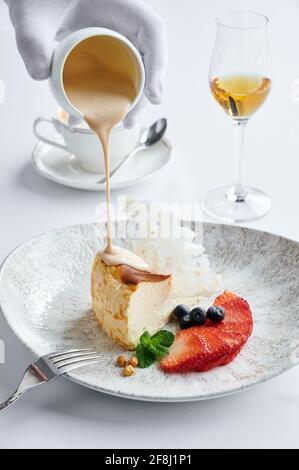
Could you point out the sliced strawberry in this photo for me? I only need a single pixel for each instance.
(231, 338)
(184, 351)
(214, 349)
(231, 357)
(202, 348)
(227, 296)
(194, 351)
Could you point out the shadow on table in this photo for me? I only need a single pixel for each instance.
(31, 181)
(77, 402)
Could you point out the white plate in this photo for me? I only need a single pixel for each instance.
(44, 296)
(63, 167)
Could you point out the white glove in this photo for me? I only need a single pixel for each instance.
(39, 23)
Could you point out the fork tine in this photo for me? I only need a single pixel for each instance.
(79, 363)
(62, 353)
(69, 356)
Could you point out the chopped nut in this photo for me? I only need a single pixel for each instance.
(121, 361)
(133, 361)
(128, 370)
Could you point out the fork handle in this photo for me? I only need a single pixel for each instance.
(30, 380)
(14, 397)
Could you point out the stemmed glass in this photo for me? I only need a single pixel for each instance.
(240, 81)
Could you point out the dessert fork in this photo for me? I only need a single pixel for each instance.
(50, 367)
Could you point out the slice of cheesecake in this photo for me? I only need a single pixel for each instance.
(128, 302)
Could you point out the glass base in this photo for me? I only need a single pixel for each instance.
(224, 204)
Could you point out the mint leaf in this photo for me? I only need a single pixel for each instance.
(145, 358)
(153, 348)
(160, 351)
(163, 337)
(145, 339)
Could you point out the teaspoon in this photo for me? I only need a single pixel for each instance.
(149, 137)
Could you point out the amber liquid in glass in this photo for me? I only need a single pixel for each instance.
(240, 95)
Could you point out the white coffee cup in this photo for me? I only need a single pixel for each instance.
(84, 144)
(67, 45)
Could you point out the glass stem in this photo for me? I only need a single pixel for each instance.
(239, 191)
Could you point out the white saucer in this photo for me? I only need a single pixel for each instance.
(63, 167)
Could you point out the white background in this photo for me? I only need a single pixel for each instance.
(64, 414)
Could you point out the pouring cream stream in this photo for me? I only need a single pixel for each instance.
(100, 79)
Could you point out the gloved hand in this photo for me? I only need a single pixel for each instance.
(39, 23)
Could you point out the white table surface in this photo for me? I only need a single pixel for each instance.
(64, 414)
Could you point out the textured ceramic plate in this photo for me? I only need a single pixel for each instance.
(63, 168)
(44, 294)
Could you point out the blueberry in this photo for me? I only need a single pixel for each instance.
(180, 311)
(186, 322)
(198, 316)
(216, 314)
